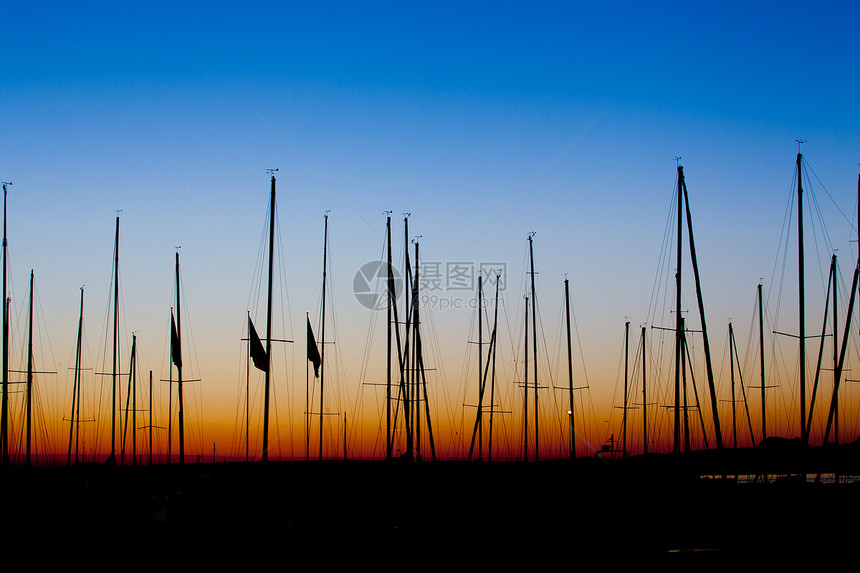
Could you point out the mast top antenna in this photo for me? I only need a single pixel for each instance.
(271, 171)
(799, 143)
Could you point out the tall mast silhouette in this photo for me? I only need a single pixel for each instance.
(570, 373)
(75, 418)
(4, 408)
(680, 339)
(534, 343)
(265, 456)
(322, 332)
(112, 458)
(30, 373)
(801, 298)
(177, 360)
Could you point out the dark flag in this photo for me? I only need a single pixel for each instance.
(258, 353)
(175, 348)
(313, 351)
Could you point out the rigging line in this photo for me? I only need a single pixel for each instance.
(284, 306)
(752, 344)
(783, 248)
(828, 246)
(583, 438)
(369, 339)
(835, 204)
(639, 373)
(318, 174)
(615, 391)
(784, 237)
(819, 216)
(256, 275)
(810, 190)
(665, 246)
(239, 416)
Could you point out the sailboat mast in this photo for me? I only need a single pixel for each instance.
(761, 358)
(802, 299)
(707, 346)
(493, 378)
(308, 396)
(248, 400)
(732, 368)
(128, 395)
(478, 428)
(626, 379)
(480, 371)
(835, 359)
(420, 365)
(570, 374)
(394, 326)
(4, 416)
(644, 400)
(178, 358)
(687, 445)
(265, 456)
(115, 342)
(74, 425)
(838, 378)
(416, 364)
(133, 375)
(150, 417)
(30, 373)
(676, 445)
(534, 330)
(408, 369)
(388, 345)
(322, 331)
(835, 399)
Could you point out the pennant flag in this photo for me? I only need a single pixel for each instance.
(258, 353)
(175, 347)
(313, 351)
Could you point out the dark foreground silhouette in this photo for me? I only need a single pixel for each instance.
(648, 509)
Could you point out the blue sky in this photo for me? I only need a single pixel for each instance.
(484, 120)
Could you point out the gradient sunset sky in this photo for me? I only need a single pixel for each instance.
(485, 121)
